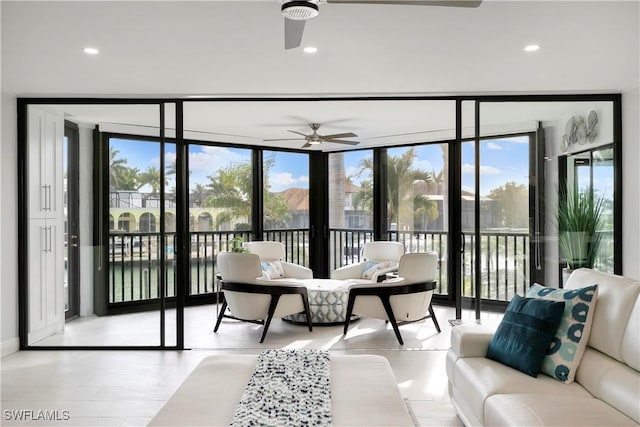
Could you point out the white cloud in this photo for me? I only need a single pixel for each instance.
(484, 170)
(493, 146)
(209, 159)
(283, 180)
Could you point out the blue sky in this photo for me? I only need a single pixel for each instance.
(501, 160)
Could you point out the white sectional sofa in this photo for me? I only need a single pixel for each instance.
(606, 390)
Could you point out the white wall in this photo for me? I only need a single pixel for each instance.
(8, 229)
(631, 183)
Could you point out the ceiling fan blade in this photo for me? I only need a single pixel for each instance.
(339, 135)
(454, 3)
(341, 141)
(293, 30)
(299, 133)
(283, 139)
(307, 145)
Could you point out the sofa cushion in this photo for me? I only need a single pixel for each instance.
(478, 378)
(528, 409)
(631, 339)
(611, 381)
(525, 332)
(568, 345)
(616, 298)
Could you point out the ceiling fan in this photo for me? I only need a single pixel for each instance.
(315, 138)
(297, 12)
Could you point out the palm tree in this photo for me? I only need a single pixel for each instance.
(119, 178)
(276, 210)
(198, 195)
(231, 190)
(363, 200)
(127, 179)
(150, 177)
(402, 179)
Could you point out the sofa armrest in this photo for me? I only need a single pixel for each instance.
(471, 340)
(295, 271)
(351, 271)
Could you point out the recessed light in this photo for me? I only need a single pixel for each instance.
(310, 49)
(91, 51)
(532, 48)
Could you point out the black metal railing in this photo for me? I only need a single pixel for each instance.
(296, 243)
(504, 265)
(345, 246)
(505, 257)
(134, 259)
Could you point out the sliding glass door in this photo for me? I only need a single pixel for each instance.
(102, 226)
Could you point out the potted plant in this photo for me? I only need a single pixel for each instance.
(579, 218)
(236, 245)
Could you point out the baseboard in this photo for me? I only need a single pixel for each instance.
(9, 347)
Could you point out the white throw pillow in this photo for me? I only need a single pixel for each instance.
(272, 270)
(568, 346)
(372, 267)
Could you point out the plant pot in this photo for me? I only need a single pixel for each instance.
(575, 246)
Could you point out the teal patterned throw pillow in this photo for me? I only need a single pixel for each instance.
(567, 347)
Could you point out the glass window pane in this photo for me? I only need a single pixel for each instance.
(350, 205)
(415, 188)
(134, 205)
(603, 187)
(220, 188)
(286, 190)
(220, 197)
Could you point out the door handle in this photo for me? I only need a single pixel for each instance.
(44, 235)
(464, 242)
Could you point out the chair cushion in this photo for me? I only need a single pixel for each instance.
(383, 251)
(525, 332)
(272, 270)
(567, 347)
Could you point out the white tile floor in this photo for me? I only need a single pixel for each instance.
(127, 388)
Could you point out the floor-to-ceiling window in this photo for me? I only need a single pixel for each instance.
(391, 184)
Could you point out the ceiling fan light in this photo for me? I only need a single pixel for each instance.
(300, 10)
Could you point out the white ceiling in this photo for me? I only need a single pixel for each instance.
(235, 48)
